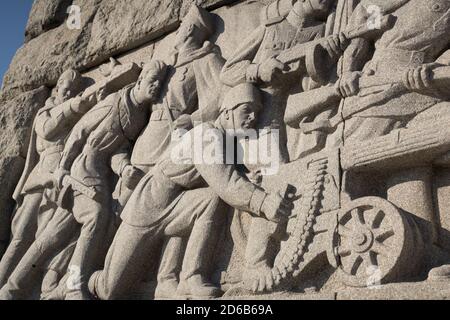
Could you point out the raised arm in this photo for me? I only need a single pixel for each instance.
(54, 121)
(239, 68)
(80, 133)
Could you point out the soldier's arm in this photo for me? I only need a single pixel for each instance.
(444, 58)
(239, 68)
(121, 158)
(210, 95)
(80, 133)
(52, 122)
(230, 185)
(233, 188)
(357, 53)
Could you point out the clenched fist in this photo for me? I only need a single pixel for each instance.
(268, 69)
(276, 208)
(131, 176)
(184, 122)
(335, 45)
(349, 84)
(419, 79)
(83, 104)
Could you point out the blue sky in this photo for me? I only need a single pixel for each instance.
(13, 19)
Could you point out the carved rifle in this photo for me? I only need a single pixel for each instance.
(317, 59)
(314, 101)
(70, 184)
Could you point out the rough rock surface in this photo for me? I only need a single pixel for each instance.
(41, 60)
(16, 118)
(46, 15)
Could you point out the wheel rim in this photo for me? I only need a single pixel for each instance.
(370, 241)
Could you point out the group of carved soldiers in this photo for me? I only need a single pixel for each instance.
(67, 235)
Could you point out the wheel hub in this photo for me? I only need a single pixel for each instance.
(362, 240)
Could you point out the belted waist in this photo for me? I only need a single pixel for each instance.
(391, 58)
(52, 150)
(161, 115)
(90, 151)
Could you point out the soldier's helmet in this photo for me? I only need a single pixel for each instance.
(243, 93)
(201, 18)
(74, 77)
(155, 69)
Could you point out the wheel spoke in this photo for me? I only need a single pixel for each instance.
(376, 218)
(380, 248)
(358, 216)
(384, 234)
(356, 263)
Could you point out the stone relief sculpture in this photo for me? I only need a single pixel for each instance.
(130, 183)
(50, 129)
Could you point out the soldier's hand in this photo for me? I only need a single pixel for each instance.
(420, 78)
(276, 208)
(101, 95)
(184, 122)
(268, 69)
(58, 177)
(131, 176)
(335, 45)
(83, 104)
(349, 84)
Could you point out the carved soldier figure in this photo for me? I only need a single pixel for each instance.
(378, 102)
(255, 60)
(85, 168)
(191, 94)
(185, 198)
(377, 110)
(50, 129)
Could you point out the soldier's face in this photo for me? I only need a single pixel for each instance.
(245, 116)
(64, 89)
(148, 89)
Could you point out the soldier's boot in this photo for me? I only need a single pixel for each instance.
(166, 290)
(200, 249)
(5, 295)
(54, 287)
(440, 274)
(92, 283)
(169, 268)
(26, 273)
(197, 289)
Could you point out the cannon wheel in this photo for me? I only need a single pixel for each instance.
(375, 243)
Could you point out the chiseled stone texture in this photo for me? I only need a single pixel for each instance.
(107, 28)
(46, 15)
(16, 118)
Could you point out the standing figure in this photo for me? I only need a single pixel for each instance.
(377, 103)
(190, 95)
(85, 172)
(185, 197)
(255, 62)
(51, 127)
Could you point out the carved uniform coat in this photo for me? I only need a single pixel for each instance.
(420, 35)
(50, 129)
(162, 188)
(265, 42)
(99, 135)
(193, 87)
